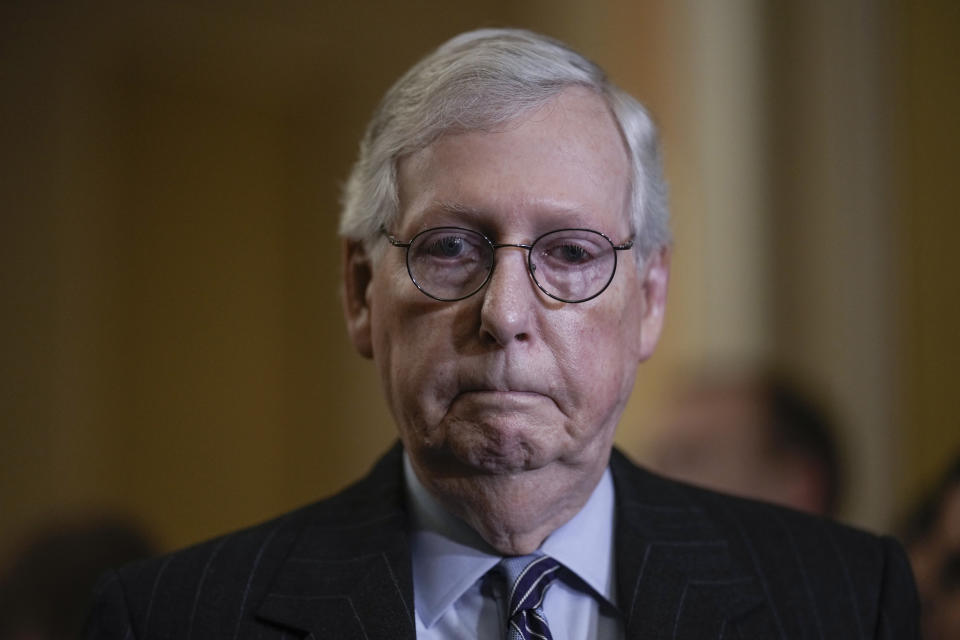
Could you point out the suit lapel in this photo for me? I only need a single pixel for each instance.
(676, 574)
(349, 573)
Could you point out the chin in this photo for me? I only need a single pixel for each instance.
(498, 449)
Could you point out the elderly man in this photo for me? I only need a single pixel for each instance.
(505, 267)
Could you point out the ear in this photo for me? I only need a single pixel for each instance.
(357, 276)
(656, 276)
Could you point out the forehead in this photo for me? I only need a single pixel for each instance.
(564, 164)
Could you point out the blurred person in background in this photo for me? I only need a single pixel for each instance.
(756, 435)
(45, 590)
(505, 265)
(932, 536)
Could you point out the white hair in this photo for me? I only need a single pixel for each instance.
(476, 81)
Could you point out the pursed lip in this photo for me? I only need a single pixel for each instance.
(506, 393)
(497, 387)
(504, 389)
(509, 399)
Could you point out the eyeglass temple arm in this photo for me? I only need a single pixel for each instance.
(392, 239)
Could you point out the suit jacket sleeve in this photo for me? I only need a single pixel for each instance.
(109, 617)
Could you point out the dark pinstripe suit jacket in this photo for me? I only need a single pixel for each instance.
(691, 564)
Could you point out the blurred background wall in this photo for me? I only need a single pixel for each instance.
(172, 341)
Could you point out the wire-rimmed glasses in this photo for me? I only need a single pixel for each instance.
(453, 263)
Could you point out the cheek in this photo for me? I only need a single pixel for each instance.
(591, 365)
(412, 354)
(605, 356)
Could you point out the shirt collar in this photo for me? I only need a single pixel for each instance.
(449, 557)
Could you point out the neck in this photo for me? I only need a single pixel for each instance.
(512, 514)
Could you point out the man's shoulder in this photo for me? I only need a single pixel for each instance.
(375, 497)
(836, 578)
(222, 579)
(740, 518)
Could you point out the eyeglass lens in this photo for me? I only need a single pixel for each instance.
(450, 263)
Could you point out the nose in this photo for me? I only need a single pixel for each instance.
(509, 299)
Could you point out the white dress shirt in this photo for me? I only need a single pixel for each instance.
(455, 598)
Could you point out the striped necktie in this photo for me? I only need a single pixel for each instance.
(528, 578)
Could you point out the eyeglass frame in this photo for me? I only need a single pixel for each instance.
(626, 246)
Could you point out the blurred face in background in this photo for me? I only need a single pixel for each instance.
(936, 566)
(507, 401)
(719, 436)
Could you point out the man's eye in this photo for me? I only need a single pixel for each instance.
(569, 253)
(445, 247)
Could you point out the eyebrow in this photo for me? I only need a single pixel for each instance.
(556, 217)
(456, 214)
(459, 209)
